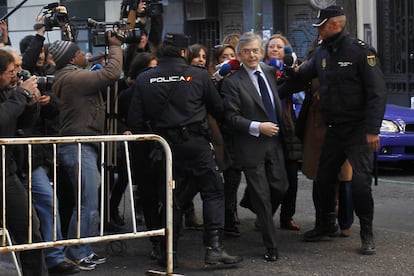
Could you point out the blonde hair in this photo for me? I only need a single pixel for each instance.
(275, 36)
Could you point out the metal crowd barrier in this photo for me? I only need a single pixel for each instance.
(103, 140)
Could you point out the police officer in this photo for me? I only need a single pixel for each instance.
(352, 100)
(174, 98)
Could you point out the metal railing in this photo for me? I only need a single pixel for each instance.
(101, 237)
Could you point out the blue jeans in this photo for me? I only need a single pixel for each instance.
(42, 193)
(90, 181)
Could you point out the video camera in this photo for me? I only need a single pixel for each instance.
(99, 34)
(55, 16)
(44, 83)
(154, 8)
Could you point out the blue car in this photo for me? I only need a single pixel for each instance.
(397, 135)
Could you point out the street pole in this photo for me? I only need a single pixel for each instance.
(258, 16)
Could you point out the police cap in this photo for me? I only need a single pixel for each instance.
(176, 40)
(329, 12)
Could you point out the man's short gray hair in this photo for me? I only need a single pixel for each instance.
(247, 38)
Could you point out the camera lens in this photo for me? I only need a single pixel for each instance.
(132, 36)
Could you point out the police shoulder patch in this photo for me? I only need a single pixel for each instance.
(371, 60)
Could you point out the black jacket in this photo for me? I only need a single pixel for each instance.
(14, 114)
(173, 95)
(352, 87)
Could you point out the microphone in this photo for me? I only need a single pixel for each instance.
(234, 63)
(288, 50)
(226, 67)
(96, 67)
(276, 64)
(95, 24)
(51, 6)
(290, 59)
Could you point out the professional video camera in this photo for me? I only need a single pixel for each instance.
(55, 16)
(44, 83)
(99, 34)
(154, 8)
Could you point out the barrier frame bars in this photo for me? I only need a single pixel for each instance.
(168, 231)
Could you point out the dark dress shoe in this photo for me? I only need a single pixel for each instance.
(64, 268)
(368, 246)
(231, 231)
(290, 225)
(271, 255)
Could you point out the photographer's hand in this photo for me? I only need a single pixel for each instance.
(44, 100)
(31, 86)
(4, 32)
(39, 25)
(113, 38)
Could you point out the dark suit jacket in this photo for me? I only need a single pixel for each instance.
(244, 105)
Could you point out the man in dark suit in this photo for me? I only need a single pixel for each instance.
(252, 110)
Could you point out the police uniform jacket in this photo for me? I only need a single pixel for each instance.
(352, 89)
(173, 95)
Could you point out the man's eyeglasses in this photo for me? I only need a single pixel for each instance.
(249, 51)
(10, 72)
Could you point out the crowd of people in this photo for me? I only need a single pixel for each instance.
(224, 111)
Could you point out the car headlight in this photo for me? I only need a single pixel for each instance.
(389, 126)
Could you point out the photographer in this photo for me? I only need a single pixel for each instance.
(82, 112)
(32, 50)
(17, 110)
(150, 22)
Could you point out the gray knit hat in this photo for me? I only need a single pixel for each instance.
(63, 52)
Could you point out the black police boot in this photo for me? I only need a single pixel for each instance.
(215, 252)
(367, 238)
(323, 230)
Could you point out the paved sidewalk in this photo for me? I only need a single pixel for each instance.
(395, 248)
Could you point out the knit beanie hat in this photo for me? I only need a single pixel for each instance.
(63, 52)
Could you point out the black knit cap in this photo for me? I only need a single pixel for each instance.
(176, 40)
(329, 12)
(63, 52)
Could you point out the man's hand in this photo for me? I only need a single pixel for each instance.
(113, 39)
(269, 129)
(31, 85)
(4, 32)
(373, 141)
(44, 100)
(39, 25)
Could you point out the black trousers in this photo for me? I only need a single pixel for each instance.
(288, 206)
(32, 261)
(342, 142)
(267, 184)
(195, 170)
